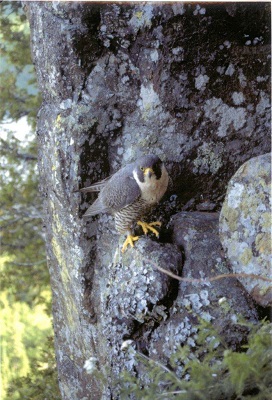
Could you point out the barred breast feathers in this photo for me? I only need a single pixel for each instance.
(129, 214)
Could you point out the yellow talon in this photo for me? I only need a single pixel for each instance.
(129, 240)
(149, 227)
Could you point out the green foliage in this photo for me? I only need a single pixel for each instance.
(19, 94)
(253, 368)
(24, 273)
(209, 371)
(41, 383)
(27, 360)
(28, 369)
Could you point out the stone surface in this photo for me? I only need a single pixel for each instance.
(245, 226)
(223, 302)
(197, 235)
(189, 82)
(155, 313)
(134, 299)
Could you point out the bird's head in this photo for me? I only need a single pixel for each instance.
(149, 168)
(152, 177)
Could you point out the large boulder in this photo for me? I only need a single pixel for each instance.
(245, 226)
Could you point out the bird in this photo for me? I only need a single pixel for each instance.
(129, 194)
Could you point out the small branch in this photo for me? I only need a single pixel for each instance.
(172, 373)
(26, 156)
(175, 392)
(211, 279)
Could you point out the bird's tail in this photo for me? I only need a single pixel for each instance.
(96, 208)
(93, 188)
(96, 187)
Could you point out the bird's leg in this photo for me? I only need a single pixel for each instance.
(145, 227)
(129, 241)
(149, 227)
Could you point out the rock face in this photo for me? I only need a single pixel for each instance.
(141, 305)
(135, 299)
(221, 302)
(189, 82)
(245, 226)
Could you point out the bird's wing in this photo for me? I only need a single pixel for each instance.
(120, 191)
(116, 192)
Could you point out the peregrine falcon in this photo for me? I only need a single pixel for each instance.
(129, 194)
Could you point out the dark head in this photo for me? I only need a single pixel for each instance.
(148, 166)
(151, 177)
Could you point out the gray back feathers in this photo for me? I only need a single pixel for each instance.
(116, 192)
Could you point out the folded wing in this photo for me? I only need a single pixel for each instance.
(116, 192)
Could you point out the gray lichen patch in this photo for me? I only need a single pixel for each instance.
(135, 298)
(216, 111)
(142, 17)
(201, 81)
(135, 287)
(209, 158)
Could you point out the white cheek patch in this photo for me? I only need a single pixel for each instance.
(153, 189)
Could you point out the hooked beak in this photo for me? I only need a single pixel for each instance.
(148, 172)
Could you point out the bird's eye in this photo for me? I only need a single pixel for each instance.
(142, 168)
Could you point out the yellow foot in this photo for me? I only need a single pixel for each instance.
(149, 227)
(129, 240)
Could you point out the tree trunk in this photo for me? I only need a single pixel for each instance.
(188, 82)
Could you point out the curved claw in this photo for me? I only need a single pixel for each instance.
(149, 227)
(129, 241)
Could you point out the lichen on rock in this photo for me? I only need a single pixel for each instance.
(245, 226)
